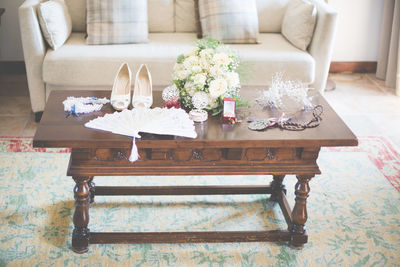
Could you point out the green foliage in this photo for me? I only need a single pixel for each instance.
(207, 42)
(180, 59)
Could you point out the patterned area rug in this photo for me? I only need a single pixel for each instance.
(353, 208)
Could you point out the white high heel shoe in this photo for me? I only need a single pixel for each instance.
(121, 90)
(143, 90)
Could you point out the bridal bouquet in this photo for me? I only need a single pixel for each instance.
(205, 75)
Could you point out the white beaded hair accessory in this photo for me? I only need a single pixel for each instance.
(286, 95)
(77, 105)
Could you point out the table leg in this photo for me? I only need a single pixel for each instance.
(92, 189)
(80, 235)
(299, 214)
(277, 187)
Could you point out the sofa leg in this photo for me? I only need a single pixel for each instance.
(38, 116)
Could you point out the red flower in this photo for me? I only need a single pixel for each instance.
(172, 103)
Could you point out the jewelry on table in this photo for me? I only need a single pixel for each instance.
(286, 123)
(77, 105)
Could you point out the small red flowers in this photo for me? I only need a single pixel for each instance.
(172, 103)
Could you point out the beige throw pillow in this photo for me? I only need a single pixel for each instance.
(299, 22)
(233, 21)
(55, 22)
(116, 21)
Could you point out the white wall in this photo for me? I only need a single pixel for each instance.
(358, 29)
(10, 38)
(357, 36)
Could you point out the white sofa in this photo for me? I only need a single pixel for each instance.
(171, 32)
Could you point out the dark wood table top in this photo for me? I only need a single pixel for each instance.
(55, 130)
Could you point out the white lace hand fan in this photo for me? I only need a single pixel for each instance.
(155, 121)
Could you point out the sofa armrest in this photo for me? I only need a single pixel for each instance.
(34, 49)
(321, 46)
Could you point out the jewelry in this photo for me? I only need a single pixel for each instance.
(198, 115)
(286, 123)
(76, 105)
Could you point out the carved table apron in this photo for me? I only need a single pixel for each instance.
(219, 149)
(278, 161)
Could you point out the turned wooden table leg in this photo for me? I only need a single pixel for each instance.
(299, 214)
(92, 189)
(80, 235)
(277, 187)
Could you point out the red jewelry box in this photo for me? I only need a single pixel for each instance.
(229, 111)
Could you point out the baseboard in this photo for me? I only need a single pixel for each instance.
(18, 67)
(353, 67)
(12, 67)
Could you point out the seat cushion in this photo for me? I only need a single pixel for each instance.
(78, 64)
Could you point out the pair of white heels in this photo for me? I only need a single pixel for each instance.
(142, 91)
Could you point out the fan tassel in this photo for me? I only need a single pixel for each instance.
(134, 152)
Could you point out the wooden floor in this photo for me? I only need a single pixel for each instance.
(367, 106)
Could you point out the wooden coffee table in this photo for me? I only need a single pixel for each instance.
(219, 149)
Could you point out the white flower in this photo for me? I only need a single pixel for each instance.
(212, 103)
(196, 69)
(218, 87)
(203, 63)
(191, 61)
(190, 88)
(221, 59)
(233, 79)
(200, 79)
(206, 53)
(181, 74)
(216, 71)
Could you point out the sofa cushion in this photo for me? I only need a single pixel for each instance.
(231, 21)
(270, 14)
(78, 64)
(161, 15)
(299, 22)
(55, 22)
(116, 21)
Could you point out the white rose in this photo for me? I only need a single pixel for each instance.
(191, 61)
(190, 88)
(196, 69)
(200, 79)
(203, 63)
(216, 71)
(218, 87)
(232, 79)
(221, 59)
(182, 74)
(212, 103)
(206, 53)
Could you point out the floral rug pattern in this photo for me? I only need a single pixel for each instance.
(353, 209)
